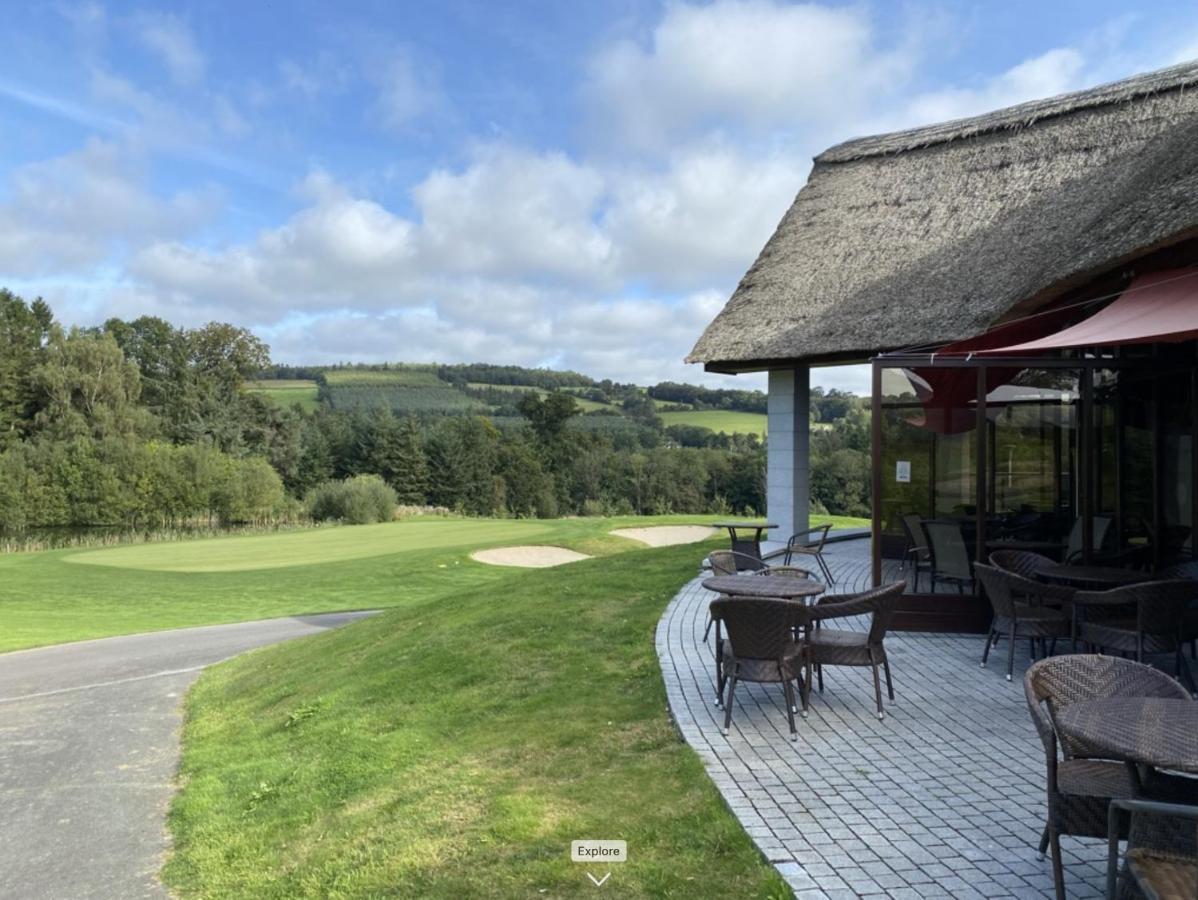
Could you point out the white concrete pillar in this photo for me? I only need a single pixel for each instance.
(788, 462)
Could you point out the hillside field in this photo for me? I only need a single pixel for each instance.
(412, 389)
(287, 391)
(719, 420)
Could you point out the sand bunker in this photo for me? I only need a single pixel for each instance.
(667, 535)
(530, 557)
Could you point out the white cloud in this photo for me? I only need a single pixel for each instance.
(407, 91)
(169, 38)
(703, 218)
(75, 211)
(759, 65)
(514, 213)
(1187, 51)
(1055, 72)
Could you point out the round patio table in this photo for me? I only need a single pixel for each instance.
(764, 586)
(1147, 730)
(1096, 578)
(740, 544)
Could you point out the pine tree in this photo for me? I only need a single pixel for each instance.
(411, 483)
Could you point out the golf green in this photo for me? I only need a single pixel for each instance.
(314, 547)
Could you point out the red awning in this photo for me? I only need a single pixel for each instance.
(1161, 307)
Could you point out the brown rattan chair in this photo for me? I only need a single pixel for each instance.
(1079, 789)
(1140, 619)
(917, 550)
(810, 543)
(761, 647)
(1023, 608)
(1162, 849)
(1189, 622)
(834, 647)
(729, 562)
(1021, 562)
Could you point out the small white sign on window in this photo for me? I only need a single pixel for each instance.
(902, 471)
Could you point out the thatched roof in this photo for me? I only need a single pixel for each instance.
(931, 235)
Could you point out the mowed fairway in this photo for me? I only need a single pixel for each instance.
(71, 595)
(309, 548)
(454, 747)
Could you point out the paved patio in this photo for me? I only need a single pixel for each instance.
(943, 798)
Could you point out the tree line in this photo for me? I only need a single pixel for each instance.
(143, 424)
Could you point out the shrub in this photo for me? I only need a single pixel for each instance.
(356, 501)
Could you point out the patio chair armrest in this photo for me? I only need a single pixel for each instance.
(1136, 808)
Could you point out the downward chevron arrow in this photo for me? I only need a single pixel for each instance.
(598, 881)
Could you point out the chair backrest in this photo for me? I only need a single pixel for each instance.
(878, 603)
(1161, 605)
(1099, 526)
(1021, 562)
(1006, 590)
(913, 525)
(812, 540)
(760, 628)
(730, 562)
(786, 572)
(996, 584)
(1188, 569)
(1058, 681)
(949, 554)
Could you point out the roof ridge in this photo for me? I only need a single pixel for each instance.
(1021, 115)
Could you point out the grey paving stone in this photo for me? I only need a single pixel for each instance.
(944, 797)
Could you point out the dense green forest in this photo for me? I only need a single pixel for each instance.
(141, 424)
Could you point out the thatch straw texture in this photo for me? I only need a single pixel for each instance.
(932, 235)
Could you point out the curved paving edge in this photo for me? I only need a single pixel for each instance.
(89, 750)
(942, 798)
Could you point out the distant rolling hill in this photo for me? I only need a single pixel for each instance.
(423, 389)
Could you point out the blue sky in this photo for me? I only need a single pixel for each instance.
(562, 184)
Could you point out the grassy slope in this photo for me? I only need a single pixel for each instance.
(286, 392)
(453, 747)
(719, 420)
(68, 595)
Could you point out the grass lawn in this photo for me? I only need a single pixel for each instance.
(287, 391)
(719, 420)
(454, 746)
(67, 595)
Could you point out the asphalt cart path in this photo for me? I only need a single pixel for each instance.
(89, 748)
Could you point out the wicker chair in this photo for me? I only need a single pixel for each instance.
(1139, 619)
(833, 647)
(917, 549)
(729, 562)
(950, 556)
(1021, 562)
(761, 648)
(1189, 622)
(1079, 790)
(810, 543)
(1023, 609)
(1162, 849)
